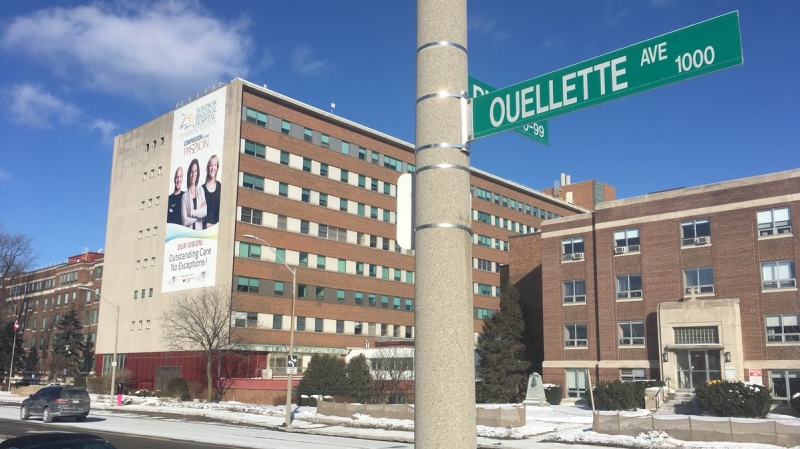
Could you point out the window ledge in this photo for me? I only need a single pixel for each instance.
(573, 303)
(573, 261)
(629, 299)
(777, 290)
(775, 236)
(783, 343)
(692, 245)
(699, 295)
(630, 253)
(576, 347)
(631, 346)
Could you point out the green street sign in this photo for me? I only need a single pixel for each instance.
(698, 49)
(538, 131)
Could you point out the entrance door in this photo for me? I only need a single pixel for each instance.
(696, 367)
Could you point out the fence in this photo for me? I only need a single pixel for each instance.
(701, 429)
(494, 417)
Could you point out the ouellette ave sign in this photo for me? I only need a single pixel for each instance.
(537, 131)
(696, 50)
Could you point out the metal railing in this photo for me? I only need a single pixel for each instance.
(660, 390)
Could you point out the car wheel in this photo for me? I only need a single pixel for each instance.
(81, 418)
(24, 414)
(46, 416)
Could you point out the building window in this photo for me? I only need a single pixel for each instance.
(339, 295)
(632, 374)
(323, 199)
(371, 298)
(325, 141)
(783, 328)
(307, 165)
(323, 170)
(302, 291)
(318, 324)
(483, 313)
(785, 383)
(409, 304)
(574, 291)
(286, 127)
(320, 293)
(345, 148)
(303, 259)
(301, 323)
(774, 221)
(321, 262)
(362, 181)
(359, 298)
(304, 227)
(373, 185)
(255, 149)
(362, 153)
(384, 301)
(240, 319)
(696, 232)
(575, 335)
(278, 287)
(779, 274)
(339, 326)
(358, 328)
(702, 335)
(277, 322)
(253, 116)
(344, 176)
(626, 241)
(282, 222)
(384, 328)
(322, 231)
(576, 382)
(308, 135)
(484, 241)
(305, 195)
(485, 290)
(252, 182)
(342, 204)
(251, 216)
(409, 331)
(572, 248)
(701, 280)
(245, 284)
(249, 250)
(631, 333)
(629, 286)
(283, 189)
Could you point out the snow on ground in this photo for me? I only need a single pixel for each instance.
(566, 423)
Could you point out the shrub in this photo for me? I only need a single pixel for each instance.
(734, 399)
(553, 394)
(178, 388)
(80, 382)
(616, 395)
(143, 393)
(795, 401)
(641, 385)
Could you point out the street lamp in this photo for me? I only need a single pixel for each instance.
(291, 329)
(116, 340)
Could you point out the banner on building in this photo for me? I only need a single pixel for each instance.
(190, 250)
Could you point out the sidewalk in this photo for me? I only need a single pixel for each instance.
(561, 423)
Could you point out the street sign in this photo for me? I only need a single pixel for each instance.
(537, 131)
(291, 364)
(698, 49)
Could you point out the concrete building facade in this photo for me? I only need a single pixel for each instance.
(685, 286)
(320, 190)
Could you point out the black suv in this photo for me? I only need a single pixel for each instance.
(55, 402)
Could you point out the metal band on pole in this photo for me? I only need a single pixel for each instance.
(442, 44)
(442, 167)
(464, 148)
(458, 95)
(444, 225)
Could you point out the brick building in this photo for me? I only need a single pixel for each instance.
(686, 285)
(320, 190)
(38, 298)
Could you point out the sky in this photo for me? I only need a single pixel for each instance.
(74, 74)
(564, 426)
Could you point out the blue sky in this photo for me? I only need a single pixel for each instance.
(76, 73)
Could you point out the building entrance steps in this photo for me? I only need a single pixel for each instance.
(680, 402)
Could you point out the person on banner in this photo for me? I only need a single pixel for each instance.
(193, 206)
(175, 198)
(211, 190)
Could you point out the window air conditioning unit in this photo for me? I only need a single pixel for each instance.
(577, 256)
(701, 240)
(621, 250)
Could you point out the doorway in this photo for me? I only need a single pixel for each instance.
(696, 367)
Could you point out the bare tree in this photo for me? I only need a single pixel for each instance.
(16, 257)
(394, 373)
(201, 321)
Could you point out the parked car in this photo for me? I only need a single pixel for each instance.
(55, 402)
(56, 440)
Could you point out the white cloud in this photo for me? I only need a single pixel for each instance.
(304, 62)
(144, 49)
(488, 28)
(31, 106)
(267, 61)
(5, 176)
(106, 128)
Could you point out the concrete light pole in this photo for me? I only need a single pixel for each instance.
(116, 341)
(445, 364)
(288, 421)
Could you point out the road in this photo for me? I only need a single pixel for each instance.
(134, 431)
